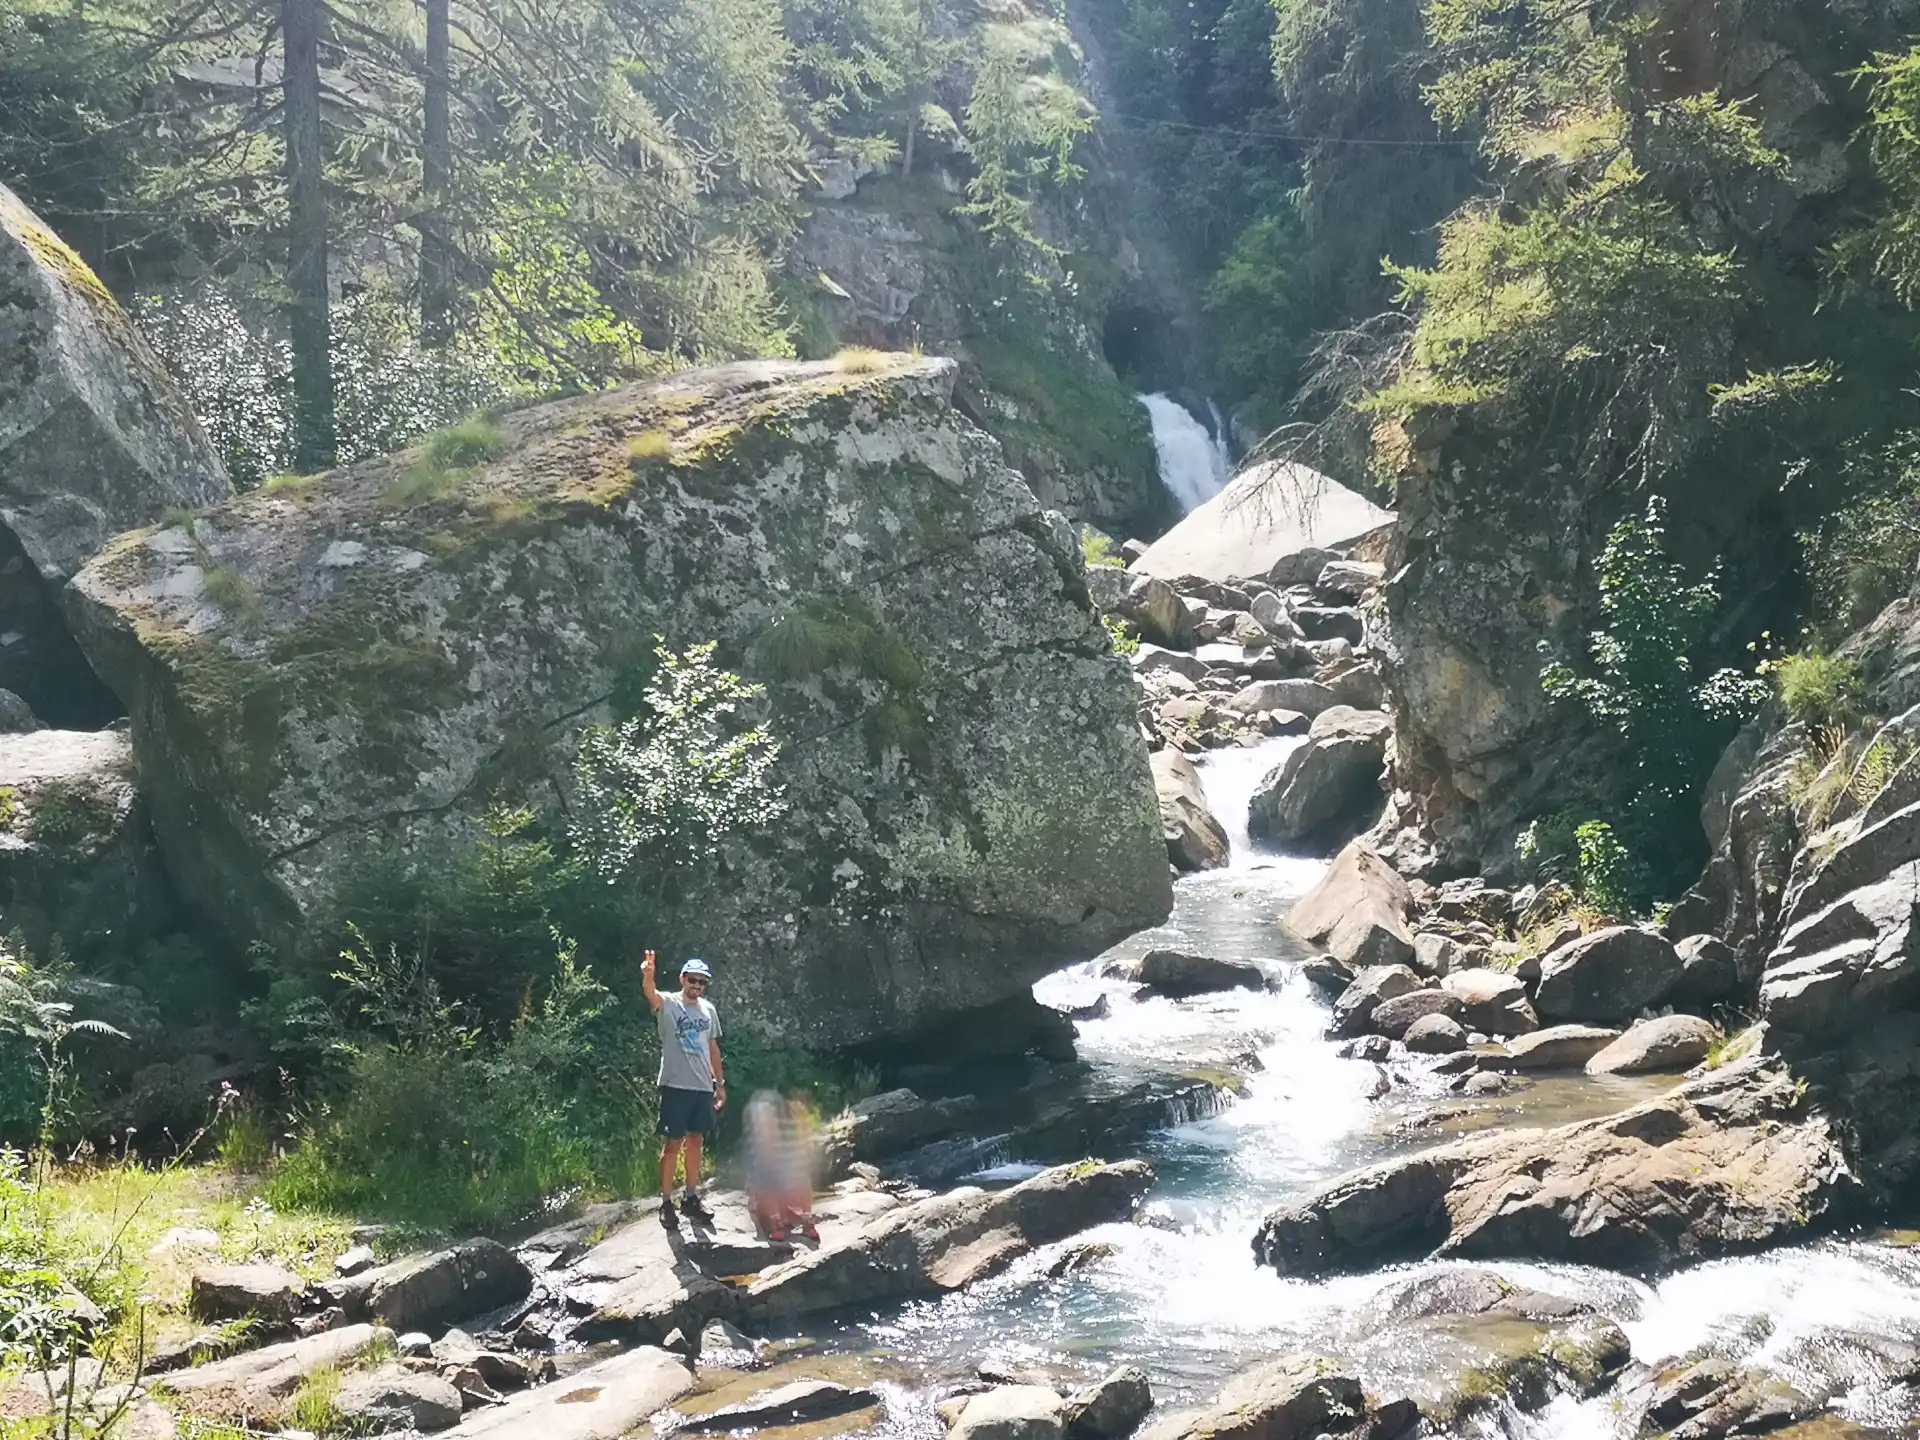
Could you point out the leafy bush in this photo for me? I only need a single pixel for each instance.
(659, 793)
(1585, 855)
(1818, 688)
(1121, 634)
(1643, 684)
(440, 1122)
(1096, 549)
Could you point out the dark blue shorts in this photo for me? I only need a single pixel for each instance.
(685, 1112)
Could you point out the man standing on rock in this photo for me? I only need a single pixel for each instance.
(693, 1081)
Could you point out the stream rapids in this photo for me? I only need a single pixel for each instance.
(1180, 1295)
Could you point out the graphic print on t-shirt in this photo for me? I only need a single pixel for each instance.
(691, 1026)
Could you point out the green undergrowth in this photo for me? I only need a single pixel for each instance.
(446, 456)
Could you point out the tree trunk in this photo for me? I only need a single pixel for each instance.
(313, 440)
(436, 151)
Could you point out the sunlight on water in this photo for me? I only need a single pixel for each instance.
(1179, 1294)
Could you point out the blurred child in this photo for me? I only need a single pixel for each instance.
(797, 1165)
(765, 1176)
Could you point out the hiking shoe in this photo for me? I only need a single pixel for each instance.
(667, 1217)
(811, 1231)
(695, 1208)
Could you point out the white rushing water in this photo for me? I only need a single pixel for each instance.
(1194, 464)
(1180, 1294)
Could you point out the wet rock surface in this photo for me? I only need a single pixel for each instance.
(1728, 1163)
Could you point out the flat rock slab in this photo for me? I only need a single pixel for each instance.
(602, 1402)
(447, 1286)
(949, 1241)
(227, 1292)
(256, 1381)
(1730, 1162)
(801, 1402)
(1558, 1047)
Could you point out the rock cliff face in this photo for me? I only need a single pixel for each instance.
(93, 440)
(1497, 536)
(334, 666)
(888, 261)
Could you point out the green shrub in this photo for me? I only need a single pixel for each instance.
(1641, 680)
(444, 1124)
(1097, 550)
(1818, 688)
(1585, 855)
(1125, 642)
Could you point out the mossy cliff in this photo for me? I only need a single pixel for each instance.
(375, 656)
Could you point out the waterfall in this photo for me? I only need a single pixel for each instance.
(1193, 462)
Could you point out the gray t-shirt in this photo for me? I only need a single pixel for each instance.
(685, 1061)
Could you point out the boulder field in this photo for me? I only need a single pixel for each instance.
(362, 662)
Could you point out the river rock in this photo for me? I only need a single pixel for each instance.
(1327, 973)
(1670, 1043)
(1329, 622)
(1372, 987)
(1483, 1340)
(1327, 784)
(1392, 1017)
(1304, 697)
(889, 1123)
(1360, 911)
(970, 771)
(1177, 974)
(1493, 1002)
(1355, 682)
(1374, 1048)
(1709, 970)
(1348, 579)
(1111, 1408)
(1010, 1412)
(230, 1292)
(1195, 839)
(1437, 953)
(94, 440)
(600, 1402)
(1734, 1161)
(1612, 974)
(1150, 660)
(428, 1291)
(1295, 1398)
(1558, 1047)
(1154, 610)
(1271, 611)
(801, 1402)
(396, 1398)
(949, 1241)
(1434, 1035)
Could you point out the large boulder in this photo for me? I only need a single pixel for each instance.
(1329, 784)
(1612, 974)
(1303, 697)
(1360, 912)
(947, 1242)
(393, 647)
(1669, 1043)
(1372, 987)
(1011, 1412)
(1195, 839)
(1265, 514)
(1394, 1017)
(94, 440)
(1731, 1162)
(1558, 1047)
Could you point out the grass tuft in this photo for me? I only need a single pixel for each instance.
(860, 360)
(650, 445)
(446, 456)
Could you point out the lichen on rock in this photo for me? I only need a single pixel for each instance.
(970, 799)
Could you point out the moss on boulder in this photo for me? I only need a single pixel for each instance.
(377, 662)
